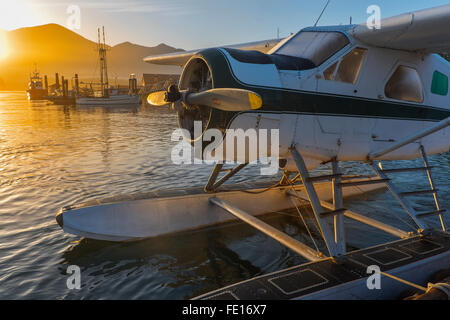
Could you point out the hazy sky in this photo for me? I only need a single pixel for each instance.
(191, 24)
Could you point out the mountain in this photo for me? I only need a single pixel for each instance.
(57, 49)
(126, 58)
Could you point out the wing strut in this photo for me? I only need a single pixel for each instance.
(275, 234)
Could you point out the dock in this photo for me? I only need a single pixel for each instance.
(415, 260)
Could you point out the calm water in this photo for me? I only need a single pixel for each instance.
(52, 156)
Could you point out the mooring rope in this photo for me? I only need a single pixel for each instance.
(444, 287)
(404, 281)
(409, 283)
(262, 191)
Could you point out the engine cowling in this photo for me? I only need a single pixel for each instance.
(197, 76)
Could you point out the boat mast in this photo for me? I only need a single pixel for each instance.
(103, 68)
(104, 60)
(35, 73)
(100, 55)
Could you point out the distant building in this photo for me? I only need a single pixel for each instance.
(152, 81)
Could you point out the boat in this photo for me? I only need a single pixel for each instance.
(108, 95)
(111, 99)
(61, 100)
(36, 90)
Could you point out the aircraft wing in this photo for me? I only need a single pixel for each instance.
(180, 58)
(425, 30)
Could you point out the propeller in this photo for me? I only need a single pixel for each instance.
(226, 99)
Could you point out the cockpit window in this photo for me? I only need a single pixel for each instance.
(349, 67)
(314, 46)
(329, 73)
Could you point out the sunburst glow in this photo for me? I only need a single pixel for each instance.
(16, 14)
(4, 49)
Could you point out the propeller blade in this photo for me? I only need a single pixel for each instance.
(157, 99)
(226, 99)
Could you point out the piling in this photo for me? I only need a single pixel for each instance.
(46, 83)
(66, 88)
(132, 84)
(77, 85)
(57, 81)
(63, 86)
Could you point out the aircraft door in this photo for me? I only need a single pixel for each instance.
(341, 76)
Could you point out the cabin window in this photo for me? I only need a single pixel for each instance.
(350, 66)
(314, 46)
(439, 84)
(404, 84)
(329, 73)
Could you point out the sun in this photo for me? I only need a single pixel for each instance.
(4, 49)
(15, 14)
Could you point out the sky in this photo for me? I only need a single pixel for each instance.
(192, 24)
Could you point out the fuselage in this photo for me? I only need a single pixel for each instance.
(333, 96)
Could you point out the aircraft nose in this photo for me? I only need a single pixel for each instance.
(59, 219)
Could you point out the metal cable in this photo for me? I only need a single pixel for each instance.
(314, 220)
(391, 211)
(301, 216)
(306, 226)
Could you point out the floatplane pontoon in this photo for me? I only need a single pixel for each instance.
(344, 93)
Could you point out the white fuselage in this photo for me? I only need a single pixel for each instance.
(320, 137)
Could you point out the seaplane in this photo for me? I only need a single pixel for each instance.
(336, 94)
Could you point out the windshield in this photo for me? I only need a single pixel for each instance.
(314, 46)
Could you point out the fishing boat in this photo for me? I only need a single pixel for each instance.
(108, 95)
(36, 90)
(110, 99)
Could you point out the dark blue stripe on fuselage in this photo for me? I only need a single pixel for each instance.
(281, 100)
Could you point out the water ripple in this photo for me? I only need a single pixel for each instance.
(52, 156)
